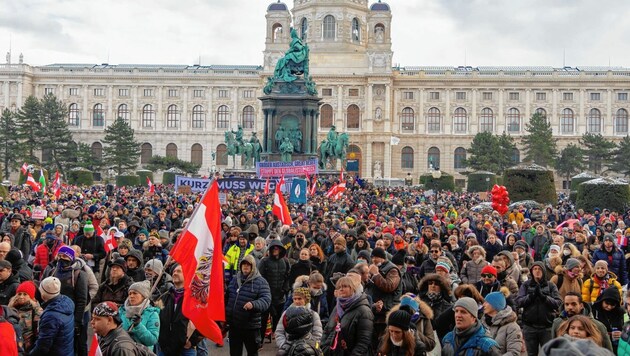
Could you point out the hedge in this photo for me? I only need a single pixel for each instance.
(169, 177)
(36, 171)
(81, 177)
(580, 178)
(445, 182)
(603, 193)
(127, 181)
(530, 182)
(142, 175)
(477, 181)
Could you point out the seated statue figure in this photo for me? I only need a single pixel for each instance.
(294, 62)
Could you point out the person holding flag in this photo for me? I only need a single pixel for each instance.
(30, 181)
(56, 186)
(280, 209)
(151, 186)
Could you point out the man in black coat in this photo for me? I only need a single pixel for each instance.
(21, 236)
(275, 270)
(339, 262)
(8, 282)
(92, 248)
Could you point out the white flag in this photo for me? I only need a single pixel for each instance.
(394, 141)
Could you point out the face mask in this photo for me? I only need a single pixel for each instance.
(396, 343)
(566, 252)
(299, 240)
(50, 242)
(65, 263)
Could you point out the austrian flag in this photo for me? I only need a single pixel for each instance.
(151, 186)
(32, 183)
(198, 250)
(280, 208)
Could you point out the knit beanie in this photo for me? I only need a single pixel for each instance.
(88, 227)
(154, 265)
(120, 262)
(27, 287)
(469, 304)
(601, 263)
(489, 269)
(304, 292)
(379, 252)
(66, 251)
(443, 266)
(49, 288)
(555, 248)
(340, 240)
(400, 319)
(399, 257)
(408, 302)
(572, 263)
(496, 300)
(143, 288)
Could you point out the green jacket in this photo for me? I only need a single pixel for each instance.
(624, 341)
(148, 331)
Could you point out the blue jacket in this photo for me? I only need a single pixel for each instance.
(618, 265)
(477, 344)
(254, 289)
(148, 331)
(56, 328)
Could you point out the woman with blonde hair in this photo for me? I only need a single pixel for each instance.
(581, 327)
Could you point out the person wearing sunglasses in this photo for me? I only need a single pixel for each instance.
(435, 291)
(488, 282)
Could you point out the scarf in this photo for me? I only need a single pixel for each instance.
(344, 303)
(603, 283)
(462, 336)
(131, 310)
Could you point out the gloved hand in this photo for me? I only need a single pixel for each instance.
(136, 319)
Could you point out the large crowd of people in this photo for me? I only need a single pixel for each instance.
(380, 271)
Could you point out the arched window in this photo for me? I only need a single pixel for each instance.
(248, 117)
(276, 30)
(353, 117)
(196, 154)
(567, 122)
(97, 151)
(407, 119)
(459, 158)
(171, 150)
(516, 156)
(594, 121)
(356, 30)
(406, 158)
(304, 29)
(433, 120)
(329, 27)
(148, 116)
(621, 122)
(98, 115)
(223, 117)
(433, 158)
(146, 153)
(172, 117)
(379, 32)
(513, 120)
(198, 117)
(460, 118)
(326, 116)
(486, 120)
(123, 112)
(221, 155)
(542, 112)
(73, 115)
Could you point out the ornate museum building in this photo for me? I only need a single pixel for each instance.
(184, 110)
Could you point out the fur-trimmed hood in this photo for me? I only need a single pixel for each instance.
(476, 247)
(445, 286)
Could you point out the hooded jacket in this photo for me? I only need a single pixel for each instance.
(243, 289)
(444, 300)
(137, 274)
(616, 262)
(540, 301)
(568, 284)
(356, 327)
(513, 270)
(503, 329)
(471, 272)
(610, 319)
(422, 321)
(116, 293)
(275, 270)
(56, 328)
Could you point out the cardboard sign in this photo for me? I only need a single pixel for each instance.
(39, 214)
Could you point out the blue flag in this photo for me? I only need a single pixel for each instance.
(298, 191)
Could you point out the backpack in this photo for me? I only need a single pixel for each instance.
(561, 280)
(301, 347)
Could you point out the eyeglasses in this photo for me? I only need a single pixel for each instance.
(435, 251)
(487, 275)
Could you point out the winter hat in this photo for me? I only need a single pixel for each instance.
(50, 235)
(364, 254)
(106, 309)
(379, 252)
(88, 227)
(602, 263)
(5, 264)
(13, 256)
(408, 302)
(27, 287)
(66, 251)
(554, 248)
(163, 234)
(120, 262)
(496, 300)
(399, 318)
(469, 304)
(304, 292)
(609, 237)
(444, 266)
(572, 263)
(341, 240)
(49, 288)
(489, 269)
(143, 288)
(522, 244)
(399, 257)
(154, 265)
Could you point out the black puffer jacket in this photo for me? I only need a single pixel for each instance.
(355, 336)
(254, 289)
(137, 274)
(8, 288)
(540, 302)
(275, 270)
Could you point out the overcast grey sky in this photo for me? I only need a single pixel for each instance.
(425, 32)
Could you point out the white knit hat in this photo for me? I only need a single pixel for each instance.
(49, 288)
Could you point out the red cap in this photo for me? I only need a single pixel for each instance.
(489, 269)
(27, 287)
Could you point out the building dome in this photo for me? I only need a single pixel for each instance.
(278, 6)
(379, 6)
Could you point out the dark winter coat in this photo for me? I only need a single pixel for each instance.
(275, 270)
(540, 302)
(243, 289)
(22, 240)
(441, 304)
(56, 328)
(7, 289)
(93, 246)
(356, 325)
(118, 343)
(116, 293)
(338, 262)
(74, 285)
(300, 268)
(137, 274)
(610, 319)
(616, 262)
(173, 324)
(475, 343)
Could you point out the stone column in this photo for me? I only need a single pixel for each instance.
(554, 112)
(110, 105)
(581, 124)
(185, 122)
(421, 123)
(135, 114)
(158, 113)
(367, 161)
(499, 125)
(85, 115)
(387, 171)
(473, 115)
(7, 103)
(339, 118)
(19, 102)
(388, 109)
(608, 130)
(528, 109)
(370, 109)
(211, 118)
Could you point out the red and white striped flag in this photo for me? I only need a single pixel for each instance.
(32, 183)
(280, 208)
(198, 251)
(151, 186)
(267, 186)
(257, 199)
(56, 186)
(313, 186)
(95, 348)
(24, 168)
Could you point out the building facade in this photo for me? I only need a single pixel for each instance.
(183, 111)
